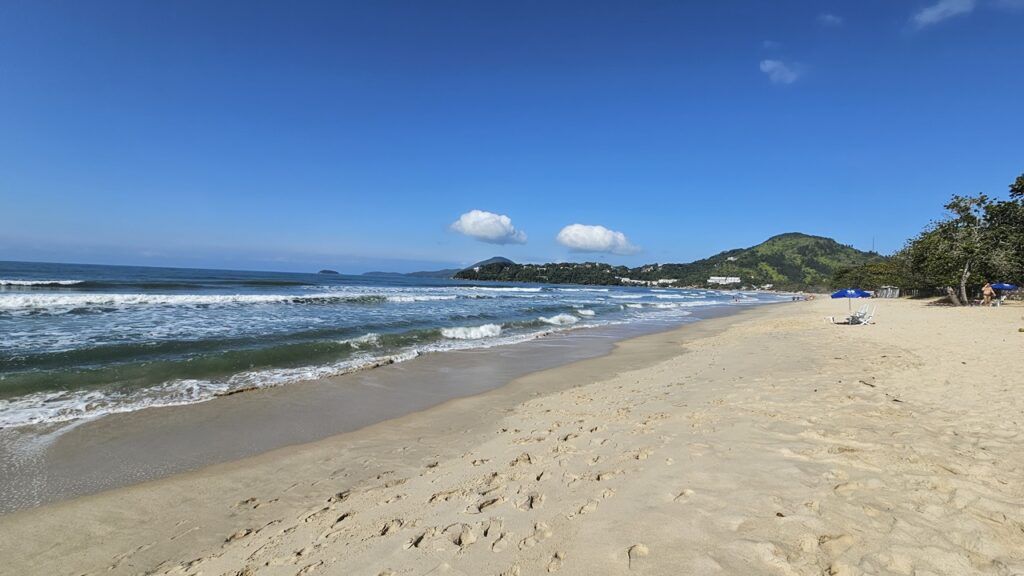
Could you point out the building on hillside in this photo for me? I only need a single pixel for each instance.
(723, 280)
(662, 282)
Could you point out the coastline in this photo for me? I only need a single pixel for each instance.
(762, 442)
(50, 463)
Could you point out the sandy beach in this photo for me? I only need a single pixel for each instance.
(767, 442)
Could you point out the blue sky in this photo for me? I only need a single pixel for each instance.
(290, 136)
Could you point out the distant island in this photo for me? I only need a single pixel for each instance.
(325, 271)
(791, 261)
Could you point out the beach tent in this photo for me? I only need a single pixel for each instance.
(850, 293)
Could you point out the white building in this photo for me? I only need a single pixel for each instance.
(724, 280)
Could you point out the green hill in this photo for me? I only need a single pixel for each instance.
(787, 261)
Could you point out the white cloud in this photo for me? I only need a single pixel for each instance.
(779, 72)
(941, 10)
(489, 227)
(827, 19)
(588, 238)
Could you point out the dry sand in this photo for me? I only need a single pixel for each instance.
(766, 443)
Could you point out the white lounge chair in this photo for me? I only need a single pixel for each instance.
(861, 316)
(865, 319)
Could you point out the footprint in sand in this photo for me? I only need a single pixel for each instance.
(586, 508)
(309, 568)
(642, 453)
(533, 501)
(462, 535)
(504, 539)
(522, 459)
(248, 503)
(339, 497)
(238, 535)
(391, 525)
(423, 537)
(485, 504)
(635, 553)
(556, 562)
(541, 532)
(684, 496)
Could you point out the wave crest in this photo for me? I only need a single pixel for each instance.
(472, 332)
(39, 282)
(560, 320)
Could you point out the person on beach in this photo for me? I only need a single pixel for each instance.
(988, 292)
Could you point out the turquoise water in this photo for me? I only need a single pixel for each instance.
(81, 341)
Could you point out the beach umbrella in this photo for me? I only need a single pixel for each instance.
(849, 293)
(1004, 286)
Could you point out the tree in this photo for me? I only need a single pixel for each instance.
(979, 240)
(965, 235)
(1017, 188)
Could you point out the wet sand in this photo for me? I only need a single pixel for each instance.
(48, 464)
(768, 442)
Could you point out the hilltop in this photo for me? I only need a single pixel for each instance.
(444, 274)
(786, 261)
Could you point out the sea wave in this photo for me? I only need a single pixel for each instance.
(421, 298)
(371, 339)
(67, 405)
(585, 312)
(39, 282)
(70, 302)
(472, 332)
(505, 289)
(560, 320)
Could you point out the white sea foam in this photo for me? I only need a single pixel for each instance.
(64, 302)
(420, 298)
(472, 332)
(371, 339)
(585, 312)
(560, 320)
(68, 405)
(504, 289)
(582, 289)
(39, 282)
(627, 296)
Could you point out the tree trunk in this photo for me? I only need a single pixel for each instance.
(963, 283)
(952, 296)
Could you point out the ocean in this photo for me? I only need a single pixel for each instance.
(82, 341)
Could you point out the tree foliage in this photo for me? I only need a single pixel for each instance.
(980, 240)
(787, 261)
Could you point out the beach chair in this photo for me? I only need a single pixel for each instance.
(855, 318)
(865, 319)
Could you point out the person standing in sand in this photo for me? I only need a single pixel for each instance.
(987, 292)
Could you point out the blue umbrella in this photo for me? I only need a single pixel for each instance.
(1004, 286)
(851, 293)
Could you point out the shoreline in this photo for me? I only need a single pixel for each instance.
(765, 442)
(53, 463)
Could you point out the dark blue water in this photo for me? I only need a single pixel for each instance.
(82, 341)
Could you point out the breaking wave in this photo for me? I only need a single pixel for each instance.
(560, 320)
(472, 332)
